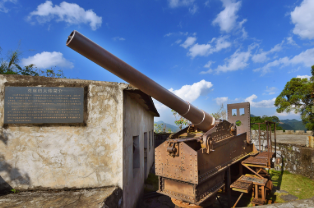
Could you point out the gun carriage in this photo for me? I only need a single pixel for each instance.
(199, 161)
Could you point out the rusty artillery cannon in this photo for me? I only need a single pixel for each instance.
(197, 162)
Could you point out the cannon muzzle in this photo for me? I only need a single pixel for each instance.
(103, 58)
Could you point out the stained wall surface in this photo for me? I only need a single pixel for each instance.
(137, 121)
(60, 155)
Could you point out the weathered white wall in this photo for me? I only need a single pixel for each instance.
(65, 156)
(136, 121)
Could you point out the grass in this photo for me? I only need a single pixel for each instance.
(297, 185)
(151, 183)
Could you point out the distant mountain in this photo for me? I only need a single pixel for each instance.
(169, 126)
(292, 124)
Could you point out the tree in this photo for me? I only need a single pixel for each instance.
(258, 119)
(238, 123)
(297, 96)
(180, 121)
(11, 66)
(221, 113)
(161, 128)
(158, 128)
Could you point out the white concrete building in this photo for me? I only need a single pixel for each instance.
(112, 147)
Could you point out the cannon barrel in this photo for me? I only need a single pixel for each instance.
(105, 59)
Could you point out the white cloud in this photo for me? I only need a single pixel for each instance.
(199, 50)
(284, 114)
(221, 43)
(221, 100)
(177, 3)
(304, 76)
(188, 42)
(260, 104)
(240, 26)
(118, 38)
(192, 92)
(262, 57)
(302, 17)
(227, 18)
(209, 63)
(270, 90)
(187, 93)
(238, 60)
(290, 115)
(47, 60)
(178, 41)
(184, 33)
(209, 71)
(207, 49)
(3, 8)
(306, 58)
(291, 41)
(70, 13)
(193, 9)
(168, 34)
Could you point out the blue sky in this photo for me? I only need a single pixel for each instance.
(207, 52)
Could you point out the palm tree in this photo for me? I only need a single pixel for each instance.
(9, 66)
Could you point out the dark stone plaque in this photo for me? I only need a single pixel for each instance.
(43, 105)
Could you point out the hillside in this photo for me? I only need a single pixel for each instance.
(292, 124)
(169, 126)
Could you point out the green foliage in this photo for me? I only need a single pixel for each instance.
(15, 191)
(221, 113)
(152, 182)
(11, 66)
(258, 119)
(180, 121)
(161, 128)
(238, 123)
(51, 73)
(158, 128)
(298, 96)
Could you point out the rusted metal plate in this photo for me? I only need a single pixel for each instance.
(256, 161)
(262, 155)
(241, 186)
(245, 118)
(224, 155)
(176, 187)
(253, 179)
(209, 186)
(182, 167)
(210, 197)
(221, 131)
